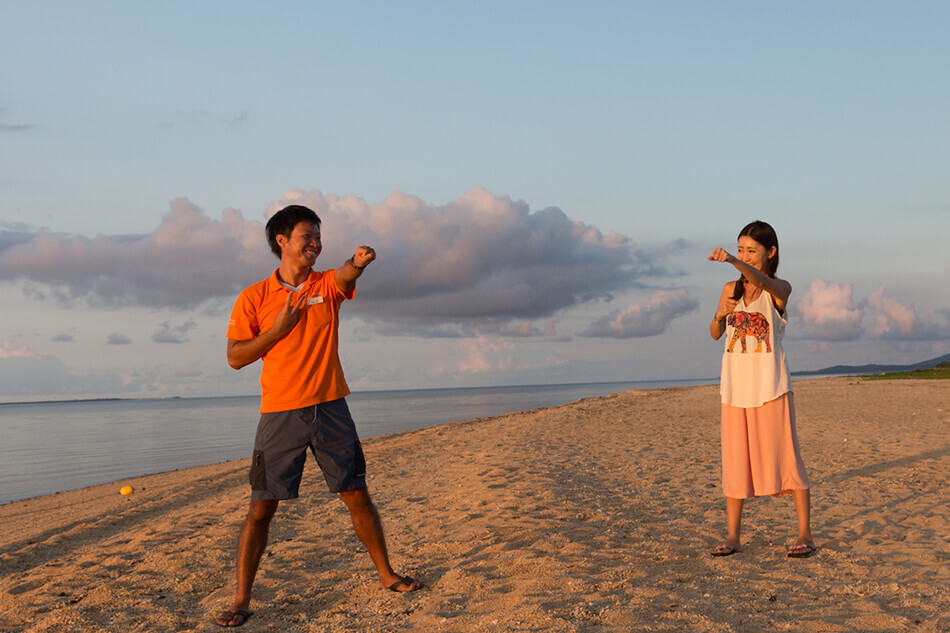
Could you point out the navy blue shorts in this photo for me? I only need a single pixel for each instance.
(280, 450)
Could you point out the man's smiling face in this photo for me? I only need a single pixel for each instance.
(303, 246)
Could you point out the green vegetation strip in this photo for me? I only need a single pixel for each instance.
(940, 372)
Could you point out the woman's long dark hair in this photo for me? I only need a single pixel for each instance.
(764, 234)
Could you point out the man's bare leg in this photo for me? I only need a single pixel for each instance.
(251, 545)
(369, 529)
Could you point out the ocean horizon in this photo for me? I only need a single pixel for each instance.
(54, 446)
(649, 384)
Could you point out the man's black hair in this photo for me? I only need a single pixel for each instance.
(284, 221)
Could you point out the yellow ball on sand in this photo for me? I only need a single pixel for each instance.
(125, 490)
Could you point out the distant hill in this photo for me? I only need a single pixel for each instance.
(875, 369)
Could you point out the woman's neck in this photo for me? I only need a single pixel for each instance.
(751, 293)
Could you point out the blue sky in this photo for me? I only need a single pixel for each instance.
(543, 182)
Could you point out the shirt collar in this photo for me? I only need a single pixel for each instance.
(273, 283)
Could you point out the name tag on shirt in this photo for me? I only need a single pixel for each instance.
(314, 300)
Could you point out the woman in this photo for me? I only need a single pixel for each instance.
(760, 452)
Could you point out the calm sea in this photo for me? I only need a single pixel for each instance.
(52, 447)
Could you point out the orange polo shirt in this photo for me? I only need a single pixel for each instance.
(303, 368)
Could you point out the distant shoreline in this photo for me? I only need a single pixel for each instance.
(71, 401)
(857, 370)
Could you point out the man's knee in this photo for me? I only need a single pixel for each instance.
(262, 510)
(356, 499)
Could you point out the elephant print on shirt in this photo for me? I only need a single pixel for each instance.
(749, 324)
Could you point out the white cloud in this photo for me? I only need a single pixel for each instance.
(10, 351)
(893, 317)
(638, 321)
(475, 358)
(177, 334)
(829, 313)
(117, 339)
(894, 320)
(498, 357)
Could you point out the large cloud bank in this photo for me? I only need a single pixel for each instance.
(479, 261)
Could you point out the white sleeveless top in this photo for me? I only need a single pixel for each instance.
(754, 368)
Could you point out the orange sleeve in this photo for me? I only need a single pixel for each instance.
(244, 324)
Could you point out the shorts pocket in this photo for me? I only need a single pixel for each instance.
(258, 474)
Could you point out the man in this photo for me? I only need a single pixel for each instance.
(291, 322)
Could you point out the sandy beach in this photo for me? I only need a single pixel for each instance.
(592, 516)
